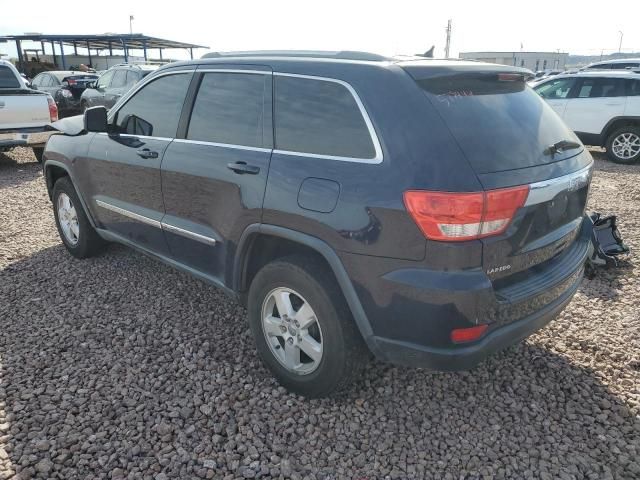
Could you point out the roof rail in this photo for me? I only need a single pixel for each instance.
(341, 55)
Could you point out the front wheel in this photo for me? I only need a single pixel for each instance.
(74, 228)
(623, 145)
(303, 327)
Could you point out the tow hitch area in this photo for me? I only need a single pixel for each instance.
(607, 242)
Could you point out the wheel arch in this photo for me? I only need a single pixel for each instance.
(259, 235)
(53, 171)
(616, 123)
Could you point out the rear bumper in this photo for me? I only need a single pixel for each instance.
(28, 137)
(413, 310)
(464, 358)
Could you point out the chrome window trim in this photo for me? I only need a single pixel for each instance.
(131, 135)
(234, 70)
(365, 115)
(157, 224)
(189, 234)
(224, 145)
(129, 214)
(546, 190)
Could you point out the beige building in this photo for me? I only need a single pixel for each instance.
(534, 61)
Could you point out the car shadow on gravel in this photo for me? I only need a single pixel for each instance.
(119, 366)
(13, 172)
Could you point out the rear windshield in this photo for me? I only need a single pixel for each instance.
(8, 78)
(499, 122)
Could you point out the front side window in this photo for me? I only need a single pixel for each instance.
(555, 89)
(132, 78)
(633, 88)
(229, 109)
(155, 109)
(105, 79)
(319, 117)
(601, 87)
(119, 79)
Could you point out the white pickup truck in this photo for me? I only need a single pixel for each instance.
(25, 114)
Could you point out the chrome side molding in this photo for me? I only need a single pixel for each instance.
(157, 224)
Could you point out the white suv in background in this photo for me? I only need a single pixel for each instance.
(601, 107)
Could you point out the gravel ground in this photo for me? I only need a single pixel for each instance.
(119, 367)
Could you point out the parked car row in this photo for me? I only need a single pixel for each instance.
(75, 91)
(430, 226)
(602, 107)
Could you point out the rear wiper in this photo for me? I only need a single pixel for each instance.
(561, 146)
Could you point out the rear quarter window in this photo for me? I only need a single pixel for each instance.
(320, 117)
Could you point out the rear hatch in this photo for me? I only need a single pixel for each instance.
(77, 84)
(511, 137)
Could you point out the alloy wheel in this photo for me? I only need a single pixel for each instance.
(68, 219)
(292, 331)
(626, 145)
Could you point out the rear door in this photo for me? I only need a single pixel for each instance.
(598, 100)
(214, 175)
(123, 167)
(557, 93)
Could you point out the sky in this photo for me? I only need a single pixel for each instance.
(390, 27)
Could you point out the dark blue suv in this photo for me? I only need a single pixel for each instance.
(428, 212)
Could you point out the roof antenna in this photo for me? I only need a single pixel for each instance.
(428, 53)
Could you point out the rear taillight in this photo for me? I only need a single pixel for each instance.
(463, 335)
(456, 217)
(53, 109)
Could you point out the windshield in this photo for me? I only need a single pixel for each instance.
(8, 78)
(499, 122)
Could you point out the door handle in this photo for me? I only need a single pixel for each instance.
(242, 167)
(146, 153)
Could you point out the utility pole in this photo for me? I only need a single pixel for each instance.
(620, 46)
(448, 43)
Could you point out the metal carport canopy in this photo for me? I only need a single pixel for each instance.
(107, 41)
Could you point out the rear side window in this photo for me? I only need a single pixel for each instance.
(320, 117)
(8, 78)
(229, 109)
(601, 87)
(556, 89)
(155, 109)
(498, 122)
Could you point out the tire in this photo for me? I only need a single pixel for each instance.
(38, 152)
(343, 352)
(623, 145)
(87, 241)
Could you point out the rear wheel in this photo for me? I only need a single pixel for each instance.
(623, 145)
(38, 152)
(303, 327)
(74, 228)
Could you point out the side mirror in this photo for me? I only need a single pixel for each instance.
(95, 119)
(91, 85)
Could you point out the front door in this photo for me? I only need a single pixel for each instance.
(123, 167)
(214, 177)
